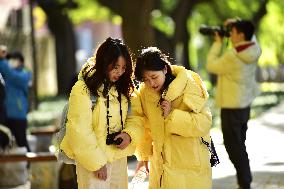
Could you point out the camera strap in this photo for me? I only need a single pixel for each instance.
(120, 112)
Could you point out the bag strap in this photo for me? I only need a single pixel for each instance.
(214, 160)
(206, 144)
(92, 96)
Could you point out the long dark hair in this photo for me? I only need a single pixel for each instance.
(152, 59)
(107, 54)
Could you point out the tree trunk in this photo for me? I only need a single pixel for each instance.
(261, 12)
(186, 60)
(165, 43)
(65, 55)
(181, 35)
(135, 37)
(62, 29)
(136, 28)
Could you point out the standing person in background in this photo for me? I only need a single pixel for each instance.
(173, 103)
(17, 80)
(100, 139)
(236, 89)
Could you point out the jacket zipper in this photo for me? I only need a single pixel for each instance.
(161, 178)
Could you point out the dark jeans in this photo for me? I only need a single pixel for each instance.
(234, 127)
(18, 128)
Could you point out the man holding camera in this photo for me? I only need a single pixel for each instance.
(236, 89)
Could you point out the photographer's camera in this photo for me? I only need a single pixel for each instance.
(210, 30)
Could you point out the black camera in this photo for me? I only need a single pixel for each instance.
(210, 30)
(110, 139)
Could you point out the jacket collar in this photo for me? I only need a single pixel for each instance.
(175, 89)
(244, 45)
(178, 85)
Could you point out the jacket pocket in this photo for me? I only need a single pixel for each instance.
(185, 152)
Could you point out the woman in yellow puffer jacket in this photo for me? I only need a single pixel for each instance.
(173, 101)
(101, 160)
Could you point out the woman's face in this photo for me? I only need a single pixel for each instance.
(154, 79)
(116, 70)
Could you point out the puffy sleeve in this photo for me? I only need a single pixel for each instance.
(189, 124)
(80, 136)
(195, 120)
(217, 64)
(137, 120)
(144, 148)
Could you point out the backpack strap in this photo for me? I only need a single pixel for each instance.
(92, 96)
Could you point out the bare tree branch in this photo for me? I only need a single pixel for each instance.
(260, 13)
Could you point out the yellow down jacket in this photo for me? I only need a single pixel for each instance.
(86, 130)
(178, 158)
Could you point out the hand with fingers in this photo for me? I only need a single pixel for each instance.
(166, 107)
(217, 37)
(231, 20)
(141, 164)
(126, 139)
(101, 173)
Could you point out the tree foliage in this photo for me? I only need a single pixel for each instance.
(92, 10)
(173, 25)
(271, 34)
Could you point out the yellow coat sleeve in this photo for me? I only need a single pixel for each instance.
(217, 64)
(197, 119)
(144, 148)
(139, 130)
(189, 124)
(80, 136)
(135, 122)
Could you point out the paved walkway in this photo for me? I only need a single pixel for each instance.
(265, 146)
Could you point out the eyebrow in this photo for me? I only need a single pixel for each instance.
(150, 76)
